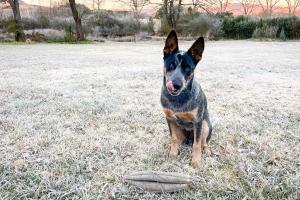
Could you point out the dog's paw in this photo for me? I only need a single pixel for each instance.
(195, 163)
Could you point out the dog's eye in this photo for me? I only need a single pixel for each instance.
(171, 66)
(184, 65)
(188, 73)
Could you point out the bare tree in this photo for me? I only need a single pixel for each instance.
(202, 4)
(172, 10)
(97, 3)
(211, 6)
(292, 6)
(136, 7)
(267, 6)
(77, 19)
(83, 11)
(222, 5)
(248, 6)
(1, 11)
(19, 32)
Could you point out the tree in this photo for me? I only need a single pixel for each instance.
(202, 4)
(248, 6)
(221, 5)
(98, 4)
(211, 6)
(19, 30)
(267, 6)
(136, 7)
(82, 10)
(172, 10)
(292, 6)
(1, 12)
(77, 19)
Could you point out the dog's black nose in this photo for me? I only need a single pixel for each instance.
(177, 84)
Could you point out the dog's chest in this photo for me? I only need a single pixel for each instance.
(183, 119)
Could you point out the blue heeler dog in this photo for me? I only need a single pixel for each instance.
(183, 100)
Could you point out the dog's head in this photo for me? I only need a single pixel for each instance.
(179, 66)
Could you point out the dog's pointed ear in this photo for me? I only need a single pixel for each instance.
(196, 50)
(171, 45)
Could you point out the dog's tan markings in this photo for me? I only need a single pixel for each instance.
(196, 154)
(165, 71)
(169, 113)
(202, 143)
(188, 116)
(204, 135)
(177, 138)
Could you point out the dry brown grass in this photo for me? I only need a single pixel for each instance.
(74, 119)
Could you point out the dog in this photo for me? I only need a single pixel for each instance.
(183, 101)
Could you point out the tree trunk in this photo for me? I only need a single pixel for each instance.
(172, 14)
(79, 32)
(19, 33)
(178, 12)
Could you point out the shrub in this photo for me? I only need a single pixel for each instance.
(240, 27)
(8, 25)
(29, 23)
(38, 23)
(164, 28)
(265, 32)
(222, 15)
(127, 25)
(69, 34)
(283, 23)
(221, 25)
(61, 23)
(7, 37)
(216, 32)
(106, 23)
(195, 24)
(150, 26)
(296, 28)
(43, 22)
(289, 25)
(282, 35)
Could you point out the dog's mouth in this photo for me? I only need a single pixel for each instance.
(171, 89)
(174, 92)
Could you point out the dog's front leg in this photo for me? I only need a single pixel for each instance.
(177, 138)
(196, 155)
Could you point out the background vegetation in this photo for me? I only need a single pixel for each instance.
(214, 26)
(227, 26)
